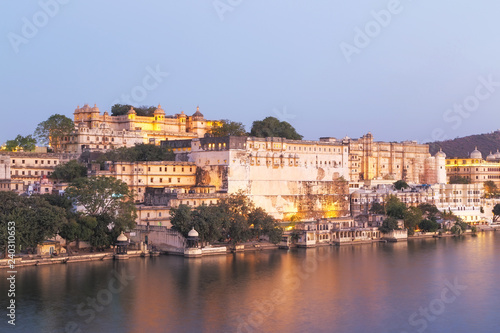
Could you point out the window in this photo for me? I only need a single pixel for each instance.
(161, 180)
(152, 180)
(182, 169)
(178, 180)
(48, 162)
(170, 180)
(174, 169)
(36, 161)
(149, 169)
(13, 161)
(41, 162)
(160, 169)
(22, 161)
(159, 214)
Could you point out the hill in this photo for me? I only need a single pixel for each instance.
(462, 147)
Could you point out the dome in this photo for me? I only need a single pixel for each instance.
(131, 111)
(476, 154)
(198, 113)
(497, 154)
(193, 233)
(440, 153)
(95, 108)
(490, 157)
(159, 110)
(122, 238)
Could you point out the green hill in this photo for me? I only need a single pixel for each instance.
(462, 147)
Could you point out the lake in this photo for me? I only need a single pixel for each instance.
(432, 285)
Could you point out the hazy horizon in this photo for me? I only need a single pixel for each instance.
(402, 70)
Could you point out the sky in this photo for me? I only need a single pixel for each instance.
(403, 70)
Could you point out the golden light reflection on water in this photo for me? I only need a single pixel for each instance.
(342, 289)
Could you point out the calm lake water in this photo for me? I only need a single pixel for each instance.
(434, 285)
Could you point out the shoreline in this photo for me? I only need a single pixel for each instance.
(21, 262)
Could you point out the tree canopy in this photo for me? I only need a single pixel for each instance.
(140, 152)
(229, 127)
(496, 212)
(234, 219)
(121, 109)
(401, 184)
(52, 130)
(389, 224)
(27, 143)
(272, 127)
(459, 180)
(69, 171)
(490, 188)
(36, 220)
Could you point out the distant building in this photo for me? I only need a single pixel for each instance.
(475, 168)
(21, 172)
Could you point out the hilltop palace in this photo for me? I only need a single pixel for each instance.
(96, 132)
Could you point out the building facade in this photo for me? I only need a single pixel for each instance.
(475, 168)
(96, 132)
(25, 171)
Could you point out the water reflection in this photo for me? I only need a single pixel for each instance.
(367, 288)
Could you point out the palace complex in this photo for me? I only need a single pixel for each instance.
(96, 132)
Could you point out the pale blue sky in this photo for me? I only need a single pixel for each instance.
(281, 58)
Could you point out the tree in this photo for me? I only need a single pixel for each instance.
(401, 184)
(36, 220)
(27, 143)
(69, 171)
(394, 207)
(459, 180)
(389, 224)
(272, 127)
(496, 212)
(412, 218)
(106, 198)
(181, 219)
(490, 187)
(122, 109)
(140, 152)
(229, 127)
(428, 225)
(52, 130)
(377, 208)
(430, 211)
(208, 220)
(263, 223)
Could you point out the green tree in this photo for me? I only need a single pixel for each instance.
(272, 127)
(27, 143)
(229, 127)
(496, 212)
(181, 219)
(401, 184)
(122, 109)
(389, 224)
(140, 152)
(36, 220)
(52, 130)
(490, 187)
(108, 200)
(377, 208)
(430, 211)
(459, 180)
(394, 207)
(208, 220)
(264, 224)
(412, 218)
(69, 171)
(427, 225)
